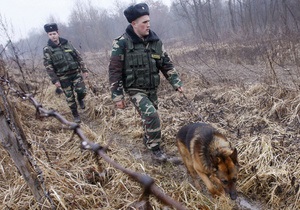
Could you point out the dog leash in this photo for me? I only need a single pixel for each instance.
(192, 107)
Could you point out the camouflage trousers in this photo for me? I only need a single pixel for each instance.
(146, 104)
(71, 84)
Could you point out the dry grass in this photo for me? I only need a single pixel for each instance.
(262, 121)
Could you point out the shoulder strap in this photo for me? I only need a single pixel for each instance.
(129, 43)
(157, 47)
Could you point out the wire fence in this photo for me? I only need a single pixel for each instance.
(148, 184)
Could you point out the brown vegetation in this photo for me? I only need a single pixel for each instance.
(241, 74)
(261, 120)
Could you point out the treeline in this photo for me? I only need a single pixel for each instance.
(219, 20)
(92, 28)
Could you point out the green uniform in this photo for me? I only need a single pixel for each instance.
(134, 68)
(64, 64)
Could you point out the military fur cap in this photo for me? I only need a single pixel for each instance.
(135, 11)
(49, 27)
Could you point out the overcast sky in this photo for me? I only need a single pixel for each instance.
(29, 15)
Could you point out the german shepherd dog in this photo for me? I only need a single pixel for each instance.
(207, 152)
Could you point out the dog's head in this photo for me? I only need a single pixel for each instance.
(227, 172)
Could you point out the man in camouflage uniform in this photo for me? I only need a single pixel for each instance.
(64, 66)
(136, 58)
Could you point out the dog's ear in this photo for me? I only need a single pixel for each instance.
(234, 157)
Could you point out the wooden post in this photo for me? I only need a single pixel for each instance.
(10, 143)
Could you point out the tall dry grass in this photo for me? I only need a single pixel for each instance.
(261, 120)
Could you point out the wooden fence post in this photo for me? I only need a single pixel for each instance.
(9, 141)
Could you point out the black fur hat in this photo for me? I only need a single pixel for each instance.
(50, 27)
(135, 11)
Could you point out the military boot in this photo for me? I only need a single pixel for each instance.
(145, 140)
(158, 154)
(81, 104)
(76, 116)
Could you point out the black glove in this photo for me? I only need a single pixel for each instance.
(59, 91)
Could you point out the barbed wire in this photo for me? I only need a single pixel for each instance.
(148, 183)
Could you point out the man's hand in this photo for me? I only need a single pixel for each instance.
(57, 84)
(180, 89)
(85, 75)
(121, 104)
(58, 89)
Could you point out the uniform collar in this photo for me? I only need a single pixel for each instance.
(61, 42)
(136, 39)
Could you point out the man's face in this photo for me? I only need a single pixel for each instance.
(54, 37)
(141, 26)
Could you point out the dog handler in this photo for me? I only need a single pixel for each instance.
(136, 58)
(64, 65)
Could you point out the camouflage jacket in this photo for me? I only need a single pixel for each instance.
(118, 59)
(62, 60)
